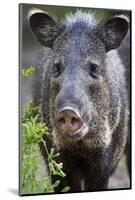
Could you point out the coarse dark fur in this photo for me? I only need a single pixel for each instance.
(102, 101)
(125, 55)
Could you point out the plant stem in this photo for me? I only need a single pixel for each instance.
(49, 157)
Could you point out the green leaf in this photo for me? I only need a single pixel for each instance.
(65, 189)
(28, 71)
(56, 184)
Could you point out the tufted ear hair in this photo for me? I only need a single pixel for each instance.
(45, 27)
(113, 31)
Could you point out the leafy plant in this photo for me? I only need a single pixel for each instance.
(32, 134)
(33, 131)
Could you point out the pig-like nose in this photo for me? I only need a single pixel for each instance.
(69, 121)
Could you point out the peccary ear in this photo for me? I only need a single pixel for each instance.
(45, 27)
(113, 31)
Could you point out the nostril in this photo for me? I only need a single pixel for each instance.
(62, 120)
(74, 121)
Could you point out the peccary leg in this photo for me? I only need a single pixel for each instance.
(84, 174)
(96, 183)
(85, 181)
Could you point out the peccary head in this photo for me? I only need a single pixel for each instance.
(76, 80)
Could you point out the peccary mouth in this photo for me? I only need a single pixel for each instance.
(70, 123)
(80, 132)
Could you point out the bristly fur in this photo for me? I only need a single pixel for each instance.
(80, 16)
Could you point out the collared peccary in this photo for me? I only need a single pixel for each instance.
(81, 87)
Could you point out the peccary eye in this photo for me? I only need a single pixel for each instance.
(56, 69)
(94, 70)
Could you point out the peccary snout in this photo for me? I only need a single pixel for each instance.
(70, 122)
